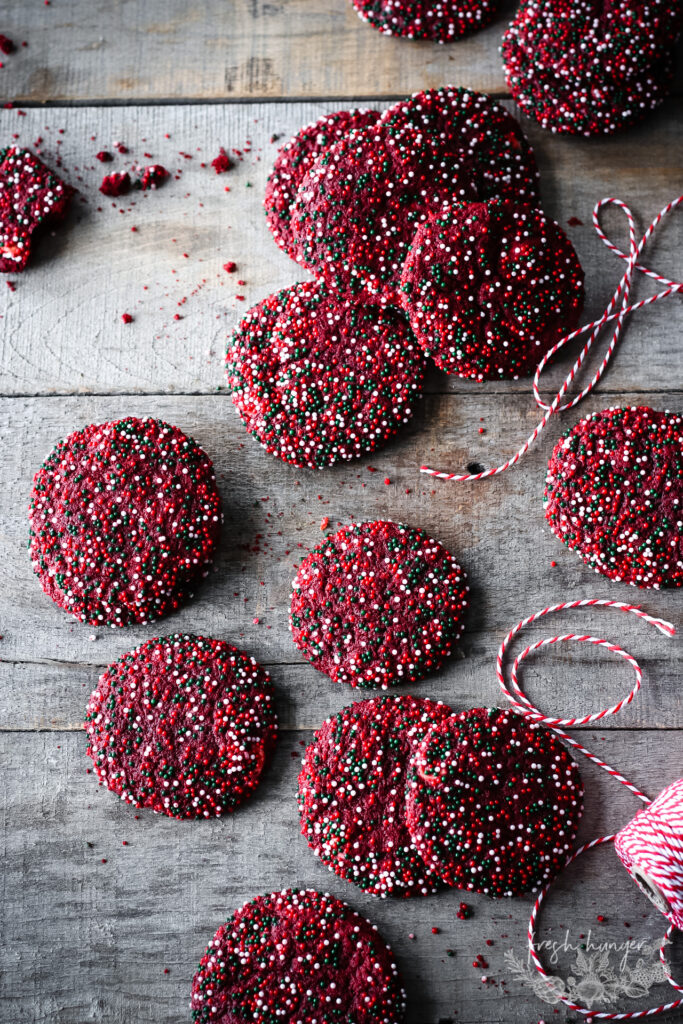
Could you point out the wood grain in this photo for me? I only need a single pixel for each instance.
(90, 941)
(100, 50)
(62, 330)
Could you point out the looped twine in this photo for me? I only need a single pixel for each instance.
(524, 706)
(617, 310)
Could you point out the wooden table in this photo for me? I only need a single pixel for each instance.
(94, 930)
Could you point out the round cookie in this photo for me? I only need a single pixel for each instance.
(352, 794)
(467, 137)
(360, 204)
(359, 207)
(320, 377)
(295, 158)
(490, 287)
(614, 494)
(182, 724)
(297, 957)
(493, 802)
(378, 604)
(125, 518)
(438, 20)
(588, 69)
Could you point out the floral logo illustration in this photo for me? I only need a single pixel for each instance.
(602, 972)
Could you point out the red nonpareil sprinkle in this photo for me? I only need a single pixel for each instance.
(127, 318)
(387, 481)
(177, 316)
(116, 184)
(104, 156)
(222, 162)
(435, 931)
(153, 176)
(6, 45)
(230, 267)
(553, 565)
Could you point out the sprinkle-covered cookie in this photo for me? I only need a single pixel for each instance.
(588, 69)
(359, 207)
(297, 957)
(493, 802)
(378, 604)
(466, 136)
(293, 161)
(320, 377)
(182, 724)
(125, 518)
(614, 494)
(439, 20)
(490, 287)
(32, 197)
(352, 794)
(360, 204)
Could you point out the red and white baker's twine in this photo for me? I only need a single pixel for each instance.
(618, 302)
(647, 834)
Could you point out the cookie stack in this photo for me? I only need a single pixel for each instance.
(422, 230)
(588, 68)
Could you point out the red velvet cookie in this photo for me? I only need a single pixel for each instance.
(493, 802)
(614, 494)
(359, 207)
(439, 20)
(32, 197)
(490, 287)
(360, 204)
(319, 377)
(293, 161)
(182, 724)
(378, 604)
(590, 68)
(125, 518)
(352, 794)
(297, 957)
(465, 136)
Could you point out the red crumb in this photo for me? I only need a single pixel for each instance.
(104, 156)
(324, 523)
(230, 267)
(222, 162)
(127, 318)
(6, 45)
(574, 222)
(153, 176)
(117, 184)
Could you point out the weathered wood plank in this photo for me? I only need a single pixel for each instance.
(61, 330)
(273, 515)
(86, 941)
(94, 50)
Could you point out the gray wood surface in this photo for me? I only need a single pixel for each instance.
(86, 941)
(92, 50)
(62, 329)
